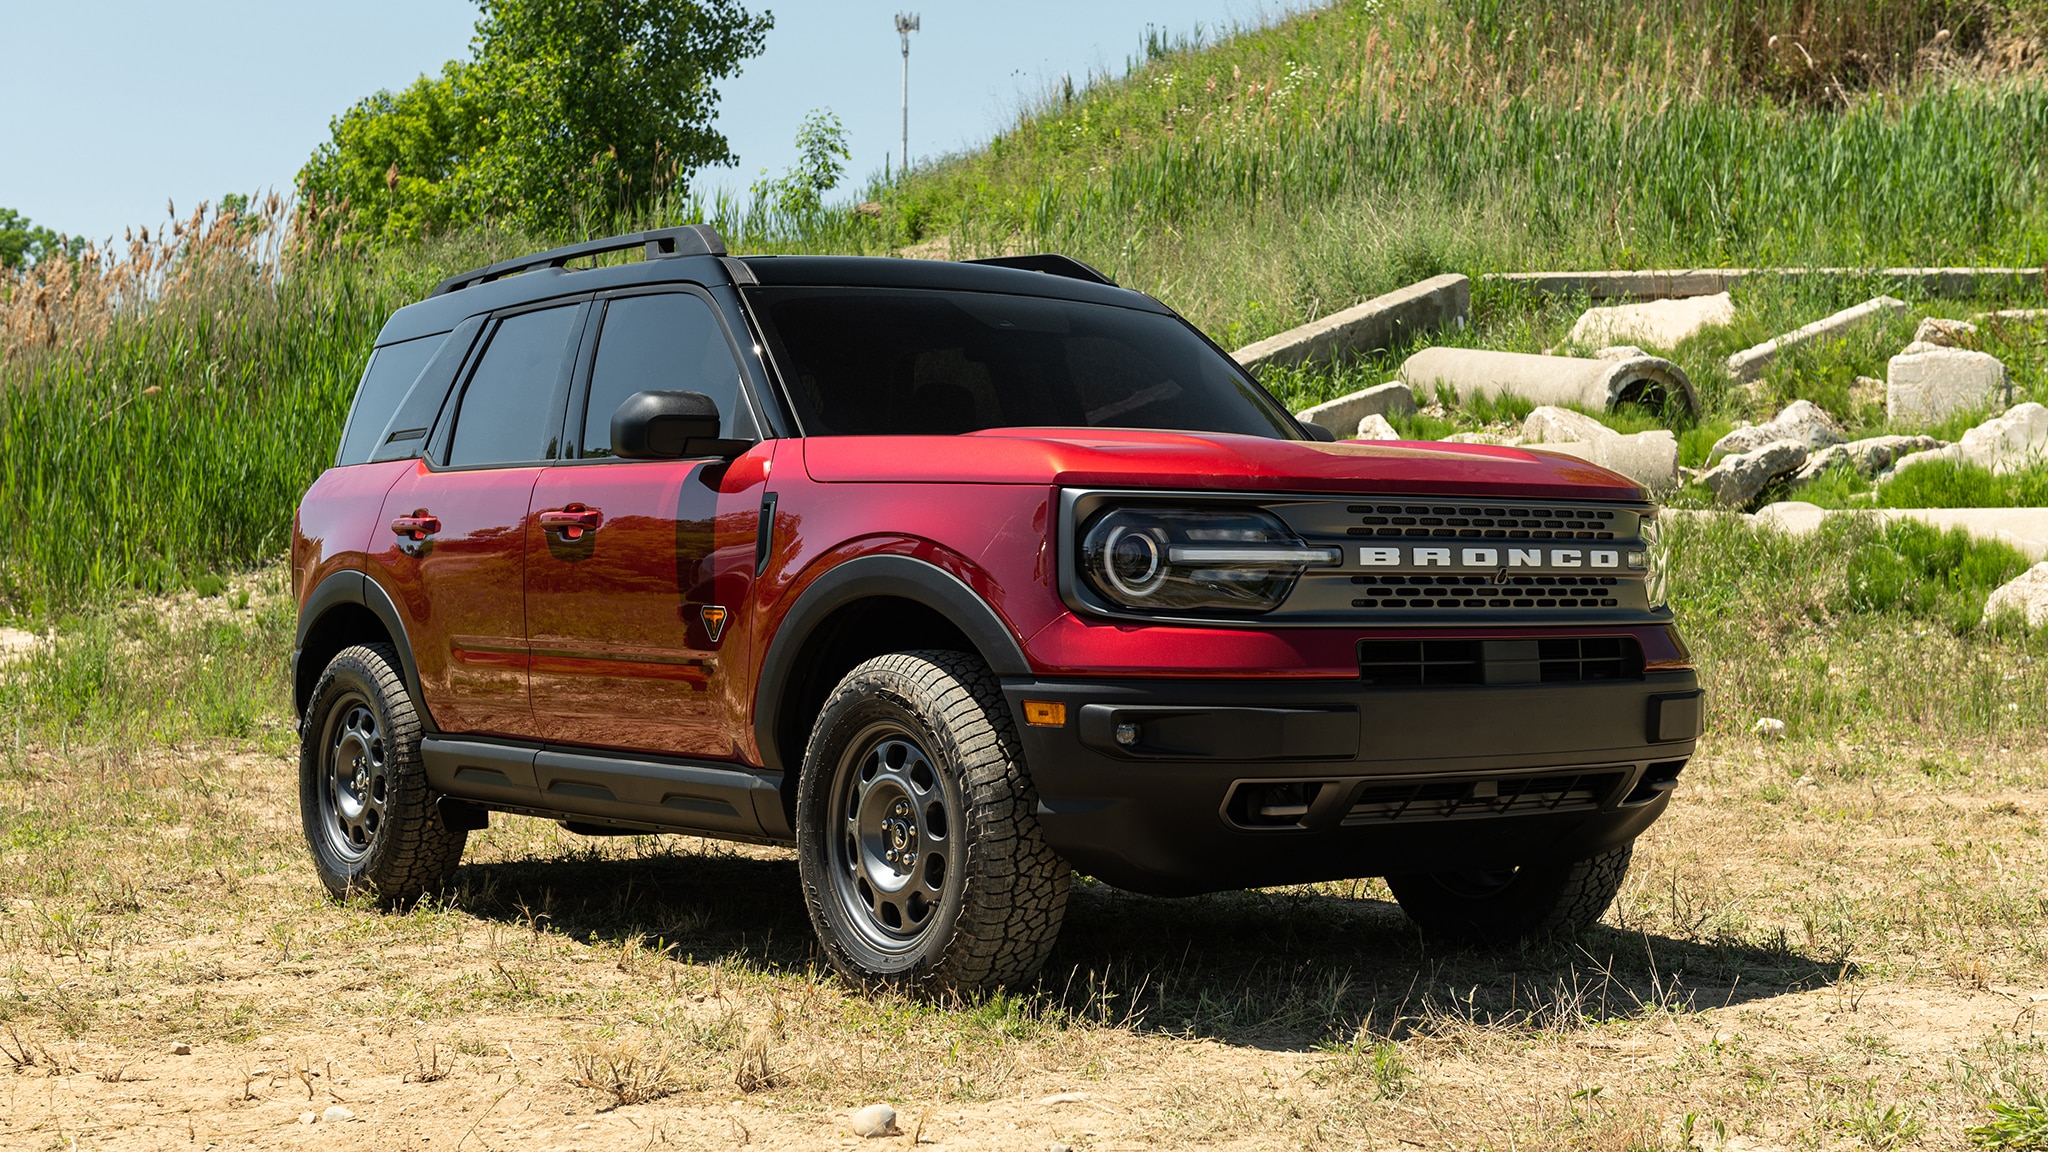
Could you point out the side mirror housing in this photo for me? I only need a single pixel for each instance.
(670, 426)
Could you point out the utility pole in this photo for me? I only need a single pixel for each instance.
(905, 25)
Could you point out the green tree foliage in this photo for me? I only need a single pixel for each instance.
(566, 107)
(23, 243)
(822, 154)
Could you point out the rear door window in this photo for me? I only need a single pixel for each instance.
(508, 410)
(670, 341)
(390, 375)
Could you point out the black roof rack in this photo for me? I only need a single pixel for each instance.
(1050, 263)
(689, 240)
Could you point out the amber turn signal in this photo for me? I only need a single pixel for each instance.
(1045, 713)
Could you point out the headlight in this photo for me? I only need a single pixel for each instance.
(1179, 561)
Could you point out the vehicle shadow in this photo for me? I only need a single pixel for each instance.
(1282, 969)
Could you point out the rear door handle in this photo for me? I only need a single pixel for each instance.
(416, 527)
(573, 521)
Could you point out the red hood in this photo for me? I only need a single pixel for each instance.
(1124, 458)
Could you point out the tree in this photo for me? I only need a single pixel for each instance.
(821, 162)
(22, 243)
(566, 106)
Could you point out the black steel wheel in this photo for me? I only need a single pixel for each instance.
(917, 837)
(369, 818)
(1509, 905)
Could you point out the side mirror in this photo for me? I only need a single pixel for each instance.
(1315, 432)
(670, 426)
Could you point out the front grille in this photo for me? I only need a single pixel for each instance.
(1413, 800)
(1408, 590)
(1505, 522)
(1558, 660)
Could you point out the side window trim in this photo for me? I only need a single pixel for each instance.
(578, 408)
(442, 437)
(404, 435)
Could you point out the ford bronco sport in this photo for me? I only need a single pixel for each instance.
(959, 578)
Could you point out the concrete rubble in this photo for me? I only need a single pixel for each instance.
(1801, 420)
(1438, 302)
(1657, 323)
(1373, 426)
(1742, 477)
(1553, 425)
(1750, 363)
(1871, 457)
(1593, 384)
(1343, 414)
(1649, 458)
(2026, 595)
(1947, 333)
(2014, 440)
(2024, 530)
(1657, 284)
(1927, 382)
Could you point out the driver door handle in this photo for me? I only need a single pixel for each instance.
(573, 521)
(418, 526)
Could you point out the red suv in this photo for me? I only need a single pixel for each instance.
(957, 577)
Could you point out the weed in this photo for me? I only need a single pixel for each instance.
(627, 1073)
(2019, 1122)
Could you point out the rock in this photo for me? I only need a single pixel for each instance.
(1375, 427)
(309, 1117)
(2026, 595)
(2005, 443)
(1947, 333)
(1648, 458)
(1866, 390)
(874, 1121)
(1750, 363)
(1390, 399)
(336, 1114)
(1801, 420)
(1927, 382)
(1769, 728)
(180, 1048)
(1740, 478)
(1869, 457)
(1498, 439)
(1553, 425)
(1658, 323)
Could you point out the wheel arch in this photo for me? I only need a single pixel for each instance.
(346, 609)
(862, 608)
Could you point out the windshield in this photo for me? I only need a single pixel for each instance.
(874, 362)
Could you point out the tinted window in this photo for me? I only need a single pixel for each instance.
(505, 410)
(392, 370)
(870, 362)
(669, 342)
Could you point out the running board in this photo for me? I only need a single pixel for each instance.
(593, 787)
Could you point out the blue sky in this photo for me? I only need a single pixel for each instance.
(118, 106)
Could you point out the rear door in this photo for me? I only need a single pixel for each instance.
(453, 551)
(638, 571)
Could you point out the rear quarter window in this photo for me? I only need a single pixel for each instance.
(390, 375)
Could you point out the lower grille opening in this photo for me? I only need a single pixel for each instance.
(1412, 800)
(1659, 777)
(1278, 805)
(1566, 660)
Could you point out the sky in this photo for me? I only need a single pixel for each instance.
(118, 107)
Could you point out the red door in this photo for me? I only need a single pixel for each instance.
(637, 580)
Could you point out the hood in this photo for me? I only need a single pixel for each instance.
(1133, 458)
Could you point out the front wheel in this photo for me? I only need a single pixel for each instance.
(369, 818)
(1509, 905)
(917, 837)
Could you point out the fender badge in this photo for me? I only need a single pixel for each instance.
(714, 620)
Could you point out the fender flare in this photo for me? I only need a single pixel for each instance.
(356, 587)
(901, 578)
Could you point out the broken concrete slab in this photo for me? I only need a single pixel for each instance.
(1927, 383)
(1657, 323)
(1742, 477)
(1550, 424)
(2015, 439)
(1665, 283)
(1373, 426)
(1869, 457)
(1801, 420)
(1750, 363)
(2026, 596)
(1648, 458)
(1390, 399)
(1947, 333)
(2025, 530)
(2013, 316)
(1598, 385)
(1438, 302)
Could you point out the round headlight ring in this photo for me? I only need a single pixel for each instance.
(1133, 562)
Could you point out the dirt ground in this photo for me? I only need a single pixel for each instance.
(1818, 947)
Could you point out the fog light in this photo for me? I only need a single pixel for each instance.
(1127, 734)
(1045, 713)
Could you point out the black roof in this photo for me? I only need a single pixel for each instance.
(539, 277)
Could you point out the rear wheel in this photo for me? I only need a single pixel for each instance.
(1503, 906)
(922, 863)
(369, 818)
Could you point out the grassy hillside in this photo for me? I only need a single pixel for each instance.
(161, 407)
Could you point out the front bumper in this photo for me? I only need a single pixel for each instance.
(1240, 784)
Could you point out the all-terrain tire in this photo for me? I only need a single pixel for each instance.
(915, 757)
(370, 819)
(1530, 903)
